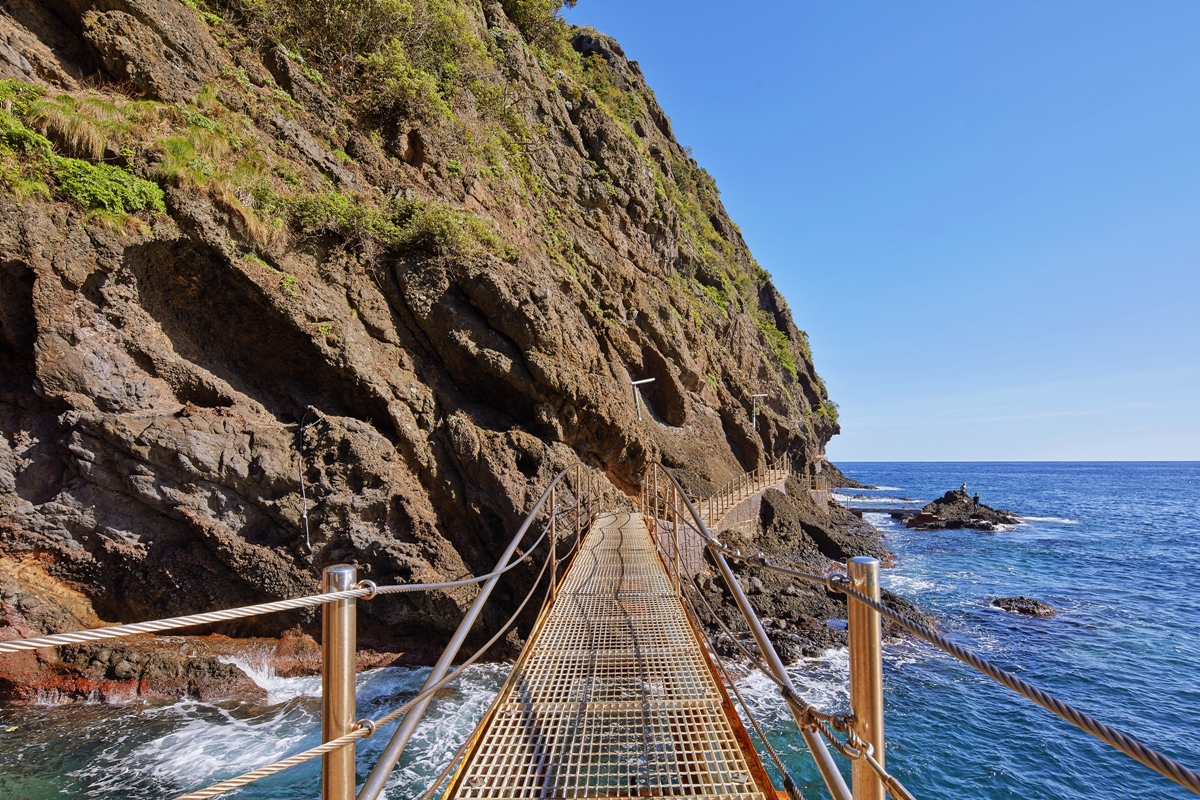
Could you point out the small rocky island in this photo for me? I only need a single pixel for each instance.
(1026, 606)
(958, 509)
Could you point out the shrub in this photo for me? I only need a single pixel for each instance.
(102, 187)
(28, 162)
(776, 340)
(19, 139)
(344, 216)
(438, 228)
(429, 226)
(399, 87)
(828, 410)
(336, 33)
(538, 20)
(19, 95)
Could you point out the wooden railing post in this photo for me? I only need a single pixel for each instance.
(338, 624)
(866, 675)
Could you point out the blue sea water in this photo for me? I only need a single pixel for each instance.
(1115, 547)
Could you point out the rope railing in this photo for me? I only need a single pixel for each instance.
(366, 590)
(365, 728)
(670, 511)
(374, 785)
(854, 747)
(1131, 747)
(580, 513)
(652, 503)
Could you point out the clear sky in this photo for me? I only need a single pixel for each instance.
(985, 214)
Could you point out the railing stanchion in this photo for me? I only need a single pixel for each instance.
(338, 622)
(553, 543)
(866, 674)
(675, 537)
(816, 745)
(654, 502)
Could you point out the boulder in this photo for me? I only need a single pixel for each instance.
(160, 46)
(1025, 606)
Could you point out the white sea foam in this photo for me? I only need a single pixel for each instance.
(205, 742)
(821, 680)
(886, 501)
(449, 721)
(279, 690)
(906, 584)
(1059, 520)
(190, 743)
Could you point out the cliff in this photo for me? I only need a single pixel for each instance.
(391, 262)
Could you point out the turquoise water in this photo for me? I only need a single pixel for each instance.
(158, 751)
(1115, 547)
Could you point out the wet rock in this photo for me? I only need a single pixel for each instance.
(958, 509)
(1026, 606)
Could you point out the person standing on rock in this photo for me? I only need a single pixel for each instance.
(975, 501)
(964, 487)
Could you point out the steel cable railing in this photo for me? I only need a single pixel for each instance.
(789, 785)
(366, 591)
(653, 503)
(856, 748)
(376, 781)
(366, 728)
(582, 512)
(1167, 767)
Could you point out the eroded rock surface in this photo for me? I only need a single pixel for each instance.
(801, 618)
(179, 390)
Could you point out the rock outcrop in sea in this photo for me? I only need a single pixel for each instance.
(958, 509)
(1025, 606)
(276, 295)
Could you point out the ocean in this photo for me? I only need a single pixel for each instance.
(1115, 547)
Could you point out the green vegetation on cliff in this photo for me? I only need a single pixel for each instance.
(29, 166)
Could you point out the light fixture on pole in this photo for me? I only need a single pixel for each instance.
(637, 395)
(754, 414)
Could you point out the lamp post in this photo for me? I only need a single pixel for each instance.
(637, 395)
(754, 414)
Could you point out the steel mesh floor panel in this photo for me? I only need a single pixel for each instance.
(570, 750)
(612, 698)
(581, 676)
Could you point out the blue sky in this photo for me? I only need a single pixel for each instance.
(985, 214)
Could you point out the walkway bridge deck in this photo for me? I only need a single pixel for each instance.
(614, 694)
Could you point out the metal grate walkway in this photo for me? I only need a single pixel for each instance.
(613, 695)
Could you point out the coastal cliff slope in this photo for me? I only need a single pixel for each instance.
(392, 262)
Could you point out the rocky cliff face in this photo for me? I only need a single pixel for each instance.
(260, 260)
